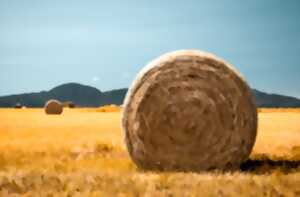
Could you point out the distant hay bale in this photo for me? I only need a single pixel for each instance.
(53, 107)
(69, 104)
(190, 111)
(18, 106)
(72, 105)
(109, 108)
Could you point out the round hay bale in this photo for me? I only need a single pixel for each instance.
(69, 104)
(189, 111)
(53, 107)
(72, 105)
(18, 106)
(109, 108)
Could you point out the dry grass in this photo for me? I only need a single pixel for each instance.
(109, 108)
(81, 153)
(105, 108)
(268, 110)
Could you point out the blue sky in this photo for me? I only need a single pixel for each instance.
(105, 43)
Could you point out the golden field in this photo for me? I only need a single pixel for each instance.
(81, 153)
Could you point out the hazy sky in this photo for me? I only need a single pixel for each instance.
(105, 43)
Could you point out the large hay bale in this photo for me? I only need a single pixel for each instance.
(189, 110)
(53, 107)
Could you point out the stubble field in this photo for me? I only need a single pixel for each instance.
(81, 153)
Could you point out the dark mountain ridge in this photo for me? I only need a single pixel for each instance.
(81, 95)
(275, 100)
(88, 96)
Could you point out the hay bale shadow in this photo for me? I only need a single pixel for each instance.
(267, 166)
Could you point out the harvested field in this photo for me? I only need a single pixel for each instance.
(82, 153)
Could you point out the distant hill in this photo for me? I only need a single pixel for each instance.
(275, 100)
(87, 96)
(81, 95)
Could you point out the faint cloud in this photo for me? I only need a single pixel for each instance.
(95, 79)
